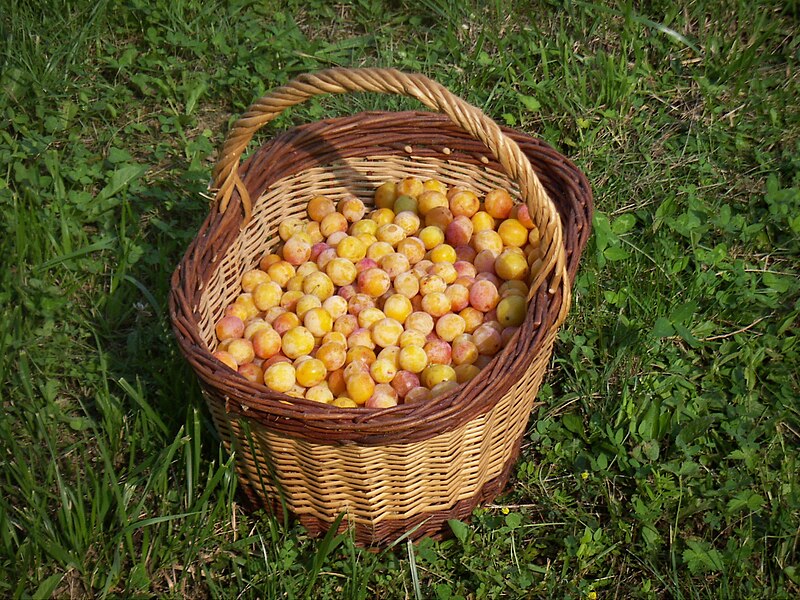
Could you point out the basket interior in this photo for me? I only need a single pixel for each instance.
(288, 197)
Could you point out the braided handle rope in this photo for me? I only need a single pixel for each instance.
(543, 212)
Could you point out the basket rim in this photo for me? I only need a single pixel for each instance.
(365, 424)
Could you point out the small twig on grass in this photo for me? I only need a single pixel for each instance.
(732, 333)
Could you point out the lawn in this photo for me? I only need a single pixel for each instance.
(663, 462)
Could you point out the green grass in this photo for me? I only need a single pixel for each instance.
(664, 463)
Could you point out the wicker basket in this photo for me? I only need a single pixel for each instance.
(410, 468)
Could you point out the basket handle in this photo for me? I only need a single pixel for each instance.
(552, 256)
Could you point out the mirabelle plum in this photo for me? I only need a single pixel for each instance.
(412, 337)
(412, 248)
(514, 287)
(513, 233)
(335, 336)
(421, 321)
(319, 207)
(482, 221)
(435, 185)
(379, 249)
(450, 326)
(394, 264)
(289, 299)
(319, 285)
(496, 281)
(465, 372)
(465, 253)
(511, 265)
(408, 221)
(445, 270)
(430, 284)
(341, 271)
(484, 261)
(352, 208)
(443, 388)
(385, 195)
(351, 248)
(384, 396)
(273, 313)
(417, 395)
(511, 311)
(266, 343)
(297, 342)
(439, 217)
(360, 387)
(406, 284)
(459, 297)
(346, 324)
(405, 203)
(319, 393)
(464, 203)
(443, 253)
(336, 306)
(498, 203)
(487, 240)
(473, 318)
(370, 315)
(464, 351)
(362, 356)
(252, 278)
(240, 311)
(289, 227)
(305, 303)
(431, 237)
(359, 302)
(318, 321)
(296, 250)
(226, 359)
(413, 359)
(310, 372)
(483, 295)
(229, 327)
(332, 223)
(252, 372)
(391, 234)
(404, 382)
(386, 332)
(392, 354)
(344, 402)
(382, 370)
(430, 199)
(435, 374)
(410, 186)
(521, 213)
(436, 304)
(314, 234)
(382, 216)
(398, 307)
(487, 339)
(335, 238)
(280, 377)
(336, 382)
(280, 272)
(253, 327)
(326, 256)
(373, 282)
(267, 260)
(438, 352)
(459, 231)
(361, 336)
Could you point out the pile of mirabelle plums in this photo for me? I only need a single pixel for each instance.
(394, 305)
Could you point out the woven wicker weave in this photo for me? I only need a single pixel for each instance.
(408, 468)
